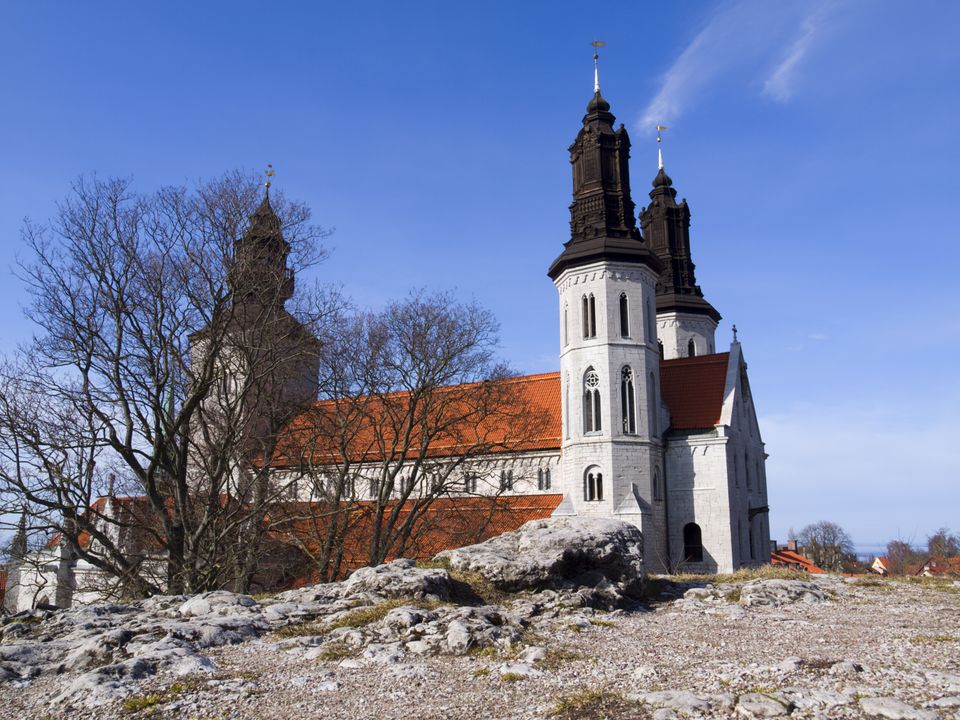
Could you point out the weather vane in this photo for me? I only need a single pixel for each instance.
(597, 44)
(660, 129)
(269, 173)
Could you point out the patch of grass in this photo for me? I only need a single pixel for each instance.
(819, 664)
(602, 623)
(295, 631)
(487, 651)
(761, 690)
(733, 596)
(512, 677)
(597, 705)
(933, 639)
(764, 572)
(143, 702)
(334, 652)
(481, 672)
(263, 596)
(469, 588)
(557, 656)
(363, 616)
(932, 583)
(575, 628)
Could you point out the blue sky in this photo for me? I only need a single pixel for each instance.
(816, 144)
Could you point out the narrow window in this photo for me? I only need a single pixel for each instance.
(591, 401)
(624, 316)
(691, 349)
(660, 347)
(657, 485)
(752, 553)
(470, 483)
(540, 479)
(593, 316)
(350, 488)
(566, 336)
(509, 479)
(567, 410)
(593, 485)
(374, 489)
(746, 470)
(503, 480)
(628, 404)
(546, 479)
(586, 317)
(692, 543)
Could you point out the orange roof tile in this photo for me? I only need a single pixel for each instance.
(530, 419)
(692, 389)
(793, 559)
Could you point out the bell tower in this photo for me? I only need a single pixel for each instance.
(609, 360)
(686, 322)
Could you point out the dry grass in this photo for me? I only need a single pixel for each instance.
(597, 705)
(933, 639)
(512, 677)
(469, 587)
(559, 656)
(764, 572)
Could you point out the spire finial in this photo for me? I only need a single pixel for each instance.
(660, 129)
(270, 172)
(597, 44)
(734, 333)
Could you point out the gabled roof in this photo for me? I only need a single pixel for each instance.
(792, 559)
(692, 388)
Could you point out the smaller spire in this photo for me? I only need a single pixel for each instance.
(597, 44)
(660, 128)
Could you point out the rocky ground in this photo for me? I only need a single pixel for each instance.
(552, 621)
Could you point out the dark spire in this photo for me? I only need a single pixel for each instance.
(18, 546)
(602, 222)
(666, 227)
(259, 269)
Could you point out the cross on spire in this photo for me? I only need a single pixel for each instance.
(270, 172)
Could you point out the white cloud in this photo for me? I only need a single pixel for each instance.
(739, 36)
(779, 85)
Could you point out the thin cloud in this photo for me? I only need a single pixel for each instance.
(737, 38)
(779, 85)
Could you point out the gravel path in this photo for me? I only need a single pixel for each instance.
(875, 649)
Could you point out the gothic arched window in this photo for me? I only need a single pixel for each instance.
(589, 316)
(651, 322)
(624, 316)
(660, 348)
(692, 543)
(566, 327)
(540, 479)
(470, 483)
(591, 401)
(506, 480)
(593, 485)
(628, 403)
(546, 479)
(691, 349)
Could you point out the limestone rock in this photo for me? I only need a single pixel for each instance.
(779, 592)
(893, 708)
(399, 579)
(603, 554)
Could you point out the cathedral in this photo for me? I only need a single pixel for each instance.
(648, 422)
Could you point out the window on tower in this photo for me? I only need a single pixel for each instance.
(566, 334)
(593, 485)
(691, 349)
(591, 401)
(660, 347)
(624, 316)
(589, 316)
(628, 402)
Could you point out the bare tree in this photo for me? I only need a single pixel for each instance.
(415, 408)
(900, 556)
(943, 544)
(164, 357)
(827, 544)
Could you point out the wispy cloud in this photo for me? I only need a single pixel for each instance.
(739, 37)
(779, 85)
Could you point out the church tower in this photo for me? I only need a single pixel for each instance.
(609, 360)
(686, 322)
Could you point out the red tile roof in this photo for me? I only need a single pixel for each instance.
(528, 417)
(788, 558)
(692, 389)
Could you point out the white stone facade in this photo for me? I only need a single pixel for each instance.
(677, 330)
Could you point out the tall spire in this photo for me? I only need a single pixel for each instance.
(602, 221)
(666, 227)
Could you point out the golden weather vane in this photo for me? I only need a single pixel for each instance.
(269, 174)
(597, 44)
